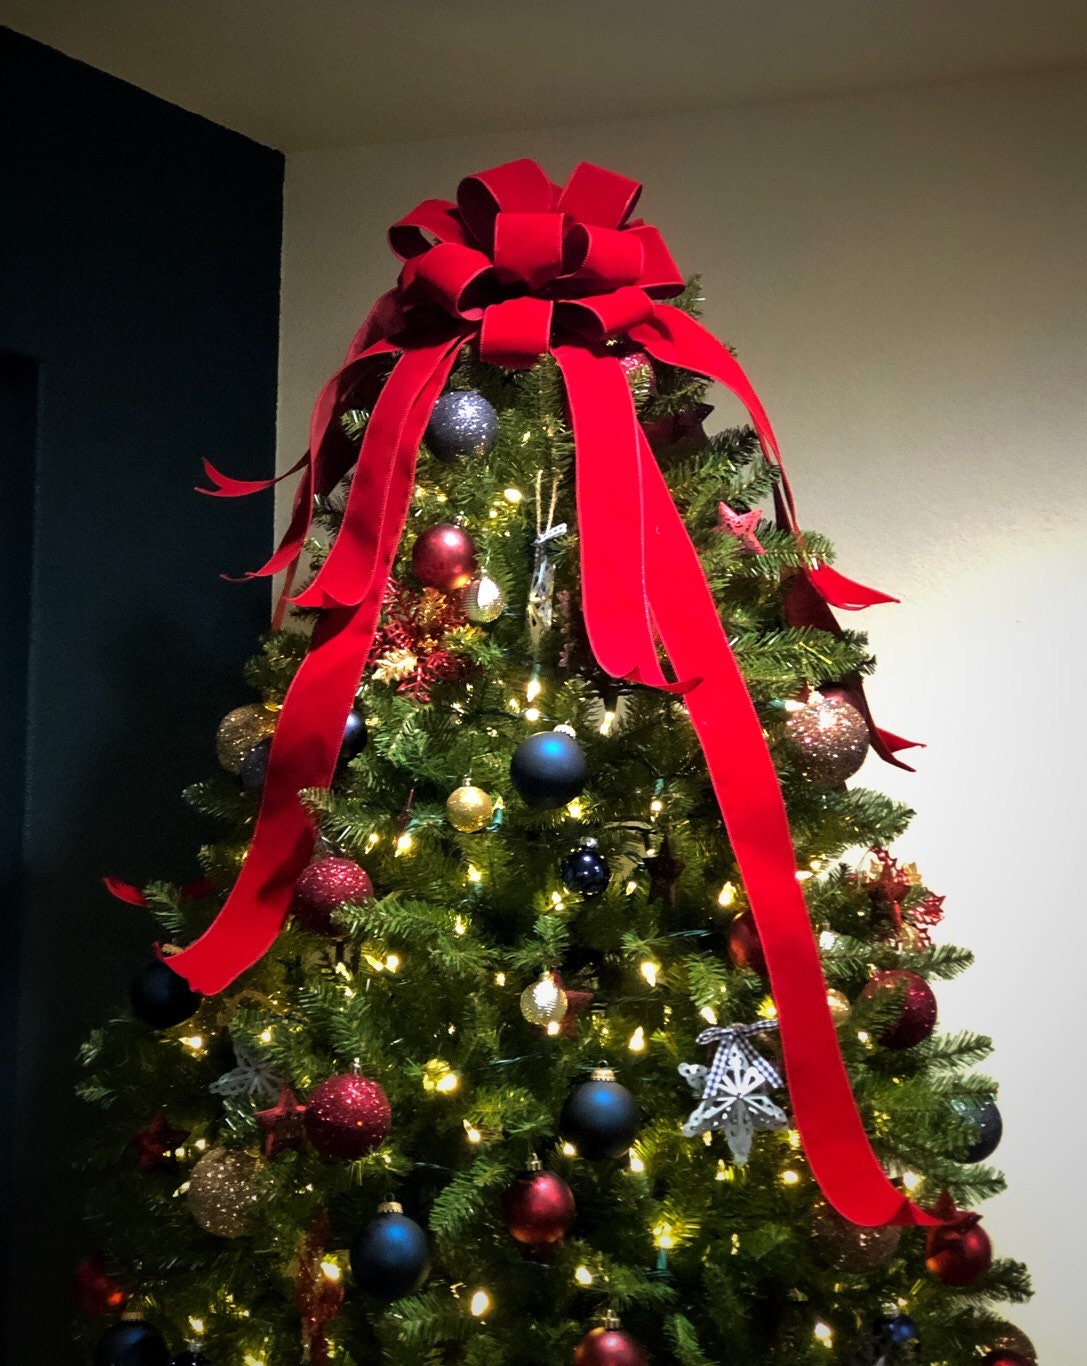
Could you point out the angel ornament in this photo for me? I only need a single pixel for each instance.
(731, 1090)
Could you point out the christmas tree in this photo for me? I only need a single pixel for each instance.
(539, 1069)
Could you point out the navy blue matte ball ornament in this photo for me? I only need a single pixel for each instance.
(896, 1332)
(254, 767)
(132, 1342)
(600, 1117)
(585, 870)
(390, 1257)
(160, 997)
(462, 423)
(990, 1128)
(355, 736)
(548, 769)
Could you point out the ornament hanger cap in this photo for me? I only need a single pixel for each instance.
(534, 1164)
(603, 1074)
(565, 729)
(390, 1207)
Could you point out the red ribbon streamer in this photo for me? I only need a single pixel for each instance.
(524, 268)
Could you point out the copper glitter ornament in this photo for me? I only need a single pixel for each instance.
(852, 1247)
(347, 1117)
(839, 1006)
(468, 808)
(484, 600)
(544, 1002)
(829, 738)
(224, 1191)
(240, 731)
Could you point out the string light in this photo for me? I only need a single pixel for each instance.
(266, 1036)
(767, 1009)
(724, 1172)
(557, 901)
(500, 979)
(911, 1181)
(822, 1333)
(448, 1083)
(727, 895)
(514, 705)
(827, 939)
(197, 1325)
(533, 688)
(664, 1236)
(473, 875)
(512, 495)
(480, 1304)
(332, 1271)
(649, 971)
(583, 1276)
(636, 1163)
(194, 1042)
(656, 806)
(553, 1028)
(372, 840)
(636, 1042)
(792, 1137)
(790, 1178)
(631, 887)
(404, 844)
(568, 1150)
(200, 1144)
(471, 1133)
(709, 1014)
(607, 723)
(392, 962)
(531, 714)
(575, 809)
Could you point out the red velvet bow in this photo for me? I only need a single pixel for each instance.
(521, 268)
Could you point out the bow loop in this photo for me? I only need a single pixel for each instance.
(528, 248)
(448, 276)
(432, 221)
(598, 196)
(521, 186)
(602, 258)
(605, 315)
(661, 278)
(516, 332)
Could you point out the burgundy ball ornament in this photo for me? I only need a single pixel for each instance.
(917, 1006)
(96, 1291)
(852, 1247)
(829, 739)
(958, 1252)
(538, 1208)
(347, 1117)
(444, 557)
(609, 1345)
(325, 886)
(744, 944)
(1001, 1357)
(1011, 1345)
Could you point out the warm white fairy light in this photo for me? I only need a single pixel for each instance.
(568, 1150)
(449, 1082)
(631, 887)
(200, 1144)
(827, 939)
(514, 705)
(194, 1043)
(392, 962)
(911, 1181)
(512, 495)
(533, 688)
(553, 1028)
(473, 874)
(790, 1178)
(767, 1010)
(727, 895)
(531, 714)
(480, 1303)
(404, 843)
(636, 1042)
(583, 1276)
(197, 1326)
(664, 1236)
(792, 1137)
(331, 1271)
(649, 971)
(471, 1133)
(656, 806)
(607, 723)
(822, 1333)
(500, 979)
(637, 1165)
(266, 1036)
(557, 901)
(709, 1014)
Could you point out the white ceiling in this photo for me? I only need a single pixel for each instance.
(322, 73)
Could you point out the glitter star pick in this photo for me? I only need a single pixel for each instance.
(741, 525)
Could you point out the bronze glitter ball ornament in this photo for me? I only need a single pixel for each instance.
(544, 1002)
(469, 808)
(240, 731)
(829, 738)
(852, 1247)
(224, 1191)
(839, 1005)
(484, 600)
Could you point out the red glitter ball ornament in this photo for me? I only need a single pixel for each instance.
(1001, 1358)
(96, 1291)
(538, 1208)
(348, 1116)
(957, 1252)
(324, 886)
(609, 1346)
(744, 944)
(917, 1005)
(444, 557)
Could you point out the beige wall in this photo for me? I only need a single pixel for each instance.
(904, 274)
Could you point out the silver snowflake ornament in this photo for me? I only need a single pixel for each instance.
(732, 1089)
(252, 1077)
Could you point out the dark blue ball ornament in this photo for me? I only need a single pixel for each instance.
(990, 1126)
(462, 423)
(600, 1117)
(254, 767)
(355, 736)
(390, 1257)
(585, 870)
(548, 769)
(896, 1332)
(132, 1342)
(160, 997)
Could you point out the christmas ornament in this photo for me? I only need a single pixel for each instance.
(538, 1208)
(462, 423)
(155, 1146)
(838, 1004)
(731, 1089)
(600, 1117)
(608, 1345)
(957, 1252)
(829, 738)
(1013, 1342)
(390, 1258)
(132, 1342)
(412, 650)
(318, 1296)
(540, 607)
(224, 1191)
(917, 1006)
(484, 600)
(1005, 1358)
(889, 885)
(239, 731)
(255, 766)
(742, 525)
(576, 1003)
(896, 1331)
(744, 944)
(347, 1117)
(444, 557)
(585, 870)
(191, 1357)
(544, 1002)
(355, 736)
(96, 1291)
(251, 1076)
(283, 1125)
(989, 1124)
(638, 369)
(160, 997)
(325, 886)
(852, 1247)
(396, 665)
(548, 769)
(469, 808)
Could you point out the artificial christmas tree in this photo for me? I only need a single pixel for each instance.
(521, 935)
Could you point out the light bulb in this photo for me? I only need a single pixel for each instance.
(512, 495)
(790, 1178)
(636, 1163)
(533, 689)
(636, 1042)
(481, 1302)
(822, 1333)
(649, 971)
(471, 1133)
(332, 1271)
(709, 1014)
(500, 979)
(583, 1276)
(404, 843)
(568, 1150)
(727, 895)
(607, 723)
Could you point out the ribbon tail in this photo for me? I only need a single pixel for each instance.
(744, 780)
(227, 487)
(124, 891)
(838, 591)
(611, 518)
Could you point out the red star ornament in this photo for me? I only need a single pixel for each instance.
(155, 1145)
(741, 525)
(577, 1002)
(282, 1124)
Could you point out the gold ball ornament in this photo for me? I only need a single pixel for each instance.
(840, 1008)
(240, 730)
(829, 738)
(484, 600)
(224, 1191)
(544, 1002)
(469, 809)
(852, 1247)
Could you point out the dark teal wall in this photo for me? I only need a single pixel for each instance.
(139, 299)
